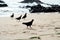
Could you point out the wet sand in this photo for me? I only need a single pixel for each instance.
(45, 26)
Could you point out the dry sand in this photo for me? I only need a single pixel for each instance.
(44, 26)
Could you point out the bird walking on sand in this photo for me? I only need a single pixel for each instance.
(12, 15)
(18, 18)
(24, 16)
(28, 23)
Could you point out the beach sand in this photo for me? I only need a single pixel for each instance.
(45, 26)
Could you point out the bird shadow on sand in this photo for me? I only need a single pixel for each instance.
(29, 29)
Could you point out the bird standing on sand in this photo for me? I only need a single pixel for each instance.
(12, 15)
(18, 18)
(28, 23)
(24, 16)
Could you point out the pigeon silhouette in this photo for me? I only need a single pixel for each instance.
(12, 15)
(18, 18)
(24, 16)
(28, 23)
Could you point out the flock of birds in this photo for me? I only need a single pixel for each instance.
(28, 24)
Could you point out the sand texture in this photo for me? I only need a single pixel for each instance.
(45, 27)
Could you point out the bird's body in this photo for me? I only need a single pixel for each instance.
(19, 18)
(24, 16)
(12, 15)
(28, 23)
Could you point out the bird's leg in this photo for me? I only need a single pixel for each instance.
(27, 27)
(30, 27)
(19, 20)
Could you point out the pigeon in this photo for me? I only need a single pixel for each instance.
(18, 18)
(28, 23)
(12, 15)
(24, 16)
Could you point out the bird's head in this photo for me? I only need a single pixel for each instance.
(25, 13)
(20, 16)
(32, 19)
